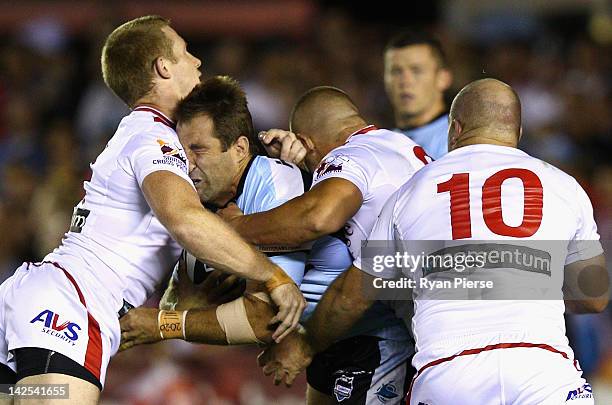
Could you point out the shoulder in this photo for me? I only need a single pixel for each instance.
(273, 181)
(143, 133)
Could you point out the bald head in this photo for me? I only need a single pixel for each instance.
(323, 113)
(489, 110)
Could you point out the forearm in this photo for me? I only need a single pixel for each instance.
(344, 302)
(287, 225)
(212, 241)
(202, 325)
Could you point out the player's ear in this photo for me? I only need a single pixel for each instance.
(444, 79)
(241, 147)
(454, 130)
(306, 141)
(161, 67)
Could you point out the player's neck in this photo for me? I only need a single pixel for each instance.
(240, 175)
(414, 121)
(479, 137)
(165, 107)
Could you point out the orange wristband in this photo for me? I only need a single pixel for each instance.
(278, 278)
(171, 324)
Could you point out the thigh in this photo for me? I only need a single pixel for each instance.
(79, 392)
(544, 376)
(46, 309)
(360, 370)
(393, 375)
(314, 397)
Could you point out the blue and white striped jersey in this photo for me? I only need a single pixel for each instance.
(266, 184)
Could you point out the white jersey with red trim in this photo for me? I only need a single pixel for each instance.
(115, 240)
(489, 193)
(377, 162)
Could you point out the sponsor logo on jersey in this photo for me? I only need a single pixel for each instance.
(584, 392)
(79, 217)
(66, 330)
(173, 156)
(343, 387)
(386, 392)
(332, 164)
(169, 150)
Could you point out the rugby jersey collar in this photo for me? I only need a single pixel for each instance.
(361, 131)
(245, 173)
(158, 116)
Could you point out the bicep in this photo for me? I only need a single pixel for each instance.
(334, 201)
(169, 195)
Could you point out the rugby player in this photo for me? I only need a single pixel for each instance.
(215, 125)
(416, 75)
(59, 320)
(356, 167)
(475, 351)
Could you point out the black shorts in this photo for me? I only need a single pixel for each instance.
(363, 370)
(35, 361)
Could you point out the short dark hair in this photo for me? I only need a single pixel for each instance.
(128, 55)
(418, 37)
(222, 99)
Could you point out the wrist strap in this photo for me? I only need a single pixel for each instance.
(278, 278)
(171, 324)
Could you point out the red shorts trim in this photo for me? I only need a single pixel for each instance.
(468, 352)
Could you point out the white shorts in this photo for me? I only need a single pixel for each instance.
(42, 305)
(503, 373)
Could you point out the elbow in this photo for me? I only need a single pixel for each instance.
(321, 224)
(180, 232)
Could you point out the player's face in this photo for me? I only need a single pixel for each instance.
(185, 71)
(414, 81)
(213, 171)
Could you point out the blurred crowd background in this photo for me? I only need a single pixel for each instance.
(56, 115)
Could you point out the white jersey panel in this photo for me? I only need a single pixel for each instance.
(492, 178)
(377, 162)
(115, 239)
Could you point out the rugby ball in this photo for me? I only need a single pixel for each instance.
(196, 270)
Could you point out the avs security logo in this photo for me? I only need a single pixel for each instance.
(343, 387)
(332, 164)
(584, 392)
(66, 330)
(386, 392)
(173, 156)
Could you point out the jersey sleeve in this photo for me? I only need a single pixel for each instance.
(353, 163)
(284, 183)
(148, 153)
(381, 242)
(585, 243)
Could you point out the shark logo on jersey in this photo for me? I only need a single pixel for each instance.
(386, 392)
(343, 388)
(332, 164)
